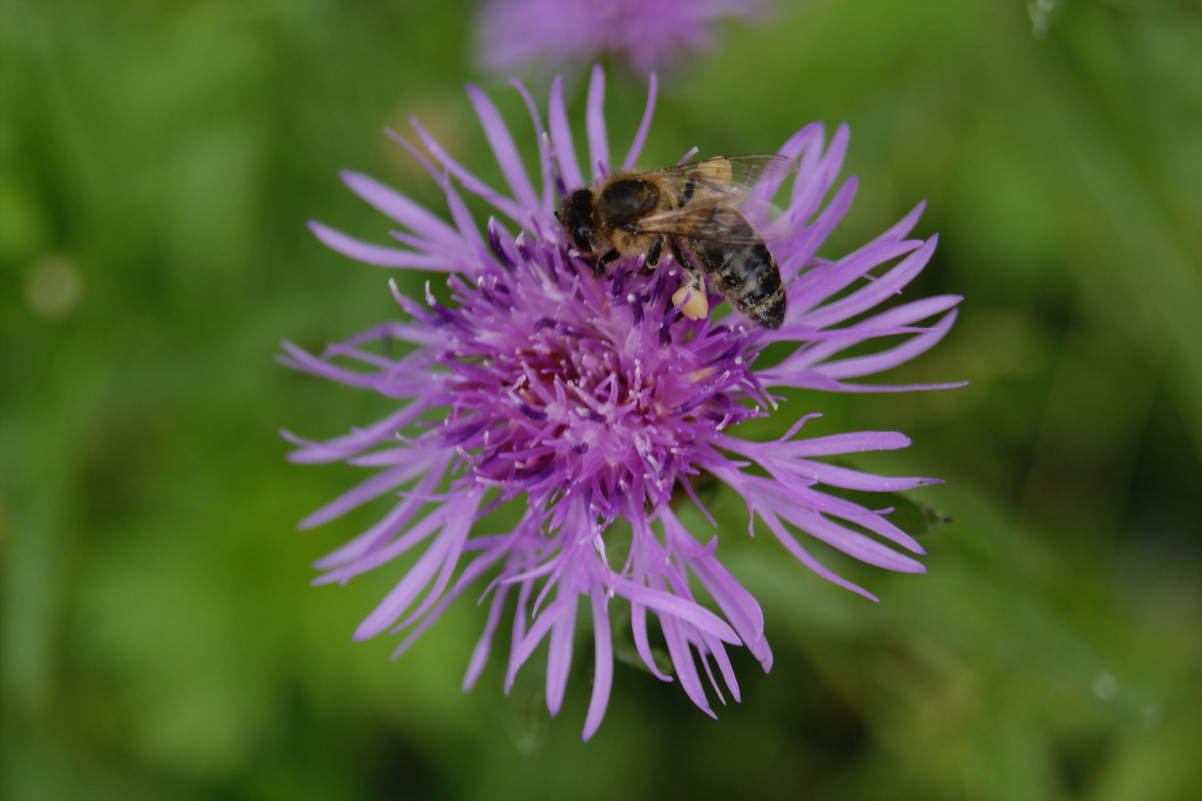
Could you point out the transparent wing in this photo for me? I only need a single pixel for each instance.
(724, 199)
(713, 221)
(733, 176)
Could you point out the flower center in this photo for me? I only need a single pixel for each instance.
(586, 384)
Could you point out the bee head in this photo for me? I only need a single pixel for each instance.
(577, 218)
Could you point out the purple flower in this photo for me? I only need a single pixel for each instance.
(594, 406)
(646, 35)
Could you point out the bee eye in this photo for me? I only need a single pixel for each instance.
(582, 238)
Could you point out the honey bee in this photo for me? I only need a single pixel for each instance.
(696, 209)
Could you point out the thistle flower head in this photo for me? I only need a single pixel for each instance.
(645, 35)
(591, 402)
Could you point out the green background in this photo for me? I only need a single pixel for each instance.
(158, 162)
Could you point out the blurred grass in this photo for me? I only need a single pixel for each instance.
(157, 164)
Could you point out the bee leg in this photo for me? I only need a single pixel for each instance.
(678, 254)
(605, 261)
(692, 288)
(692, 294)
(653, 254)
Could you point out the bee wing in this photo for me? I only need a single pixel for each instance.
(714, 221)
(728, 199)
(732, 176)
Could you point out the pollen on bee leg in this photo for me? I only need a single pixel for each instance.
(692, 295)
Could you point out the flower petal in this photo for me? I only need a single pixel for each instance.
(598, 141)
(561, 137)
(559, 655)
(503, 148)
(640, 136)
(603, 669)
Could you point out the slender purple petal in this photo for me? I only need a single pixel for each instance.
(803, 556)
(561, 138)
(559, 656)
(423, 620)
(640, 136)
(484, 644)
(446, 545)
(503, 148)
(638, 624)
(665, 603)
(681, 653)
(368, 490)
(403, 210)
(469, 181)
(877, 291)
(880, 362)
(598, 141)
(603, 670)
(548, 201)
(375, 254)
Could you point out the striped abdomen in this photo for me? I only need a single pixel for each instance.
(746, 275)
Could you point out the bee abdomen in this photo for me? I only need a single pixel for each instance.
(748, 277)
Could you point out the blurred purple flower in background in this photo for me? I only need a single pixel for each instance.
(597, 405)
(645, 35)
